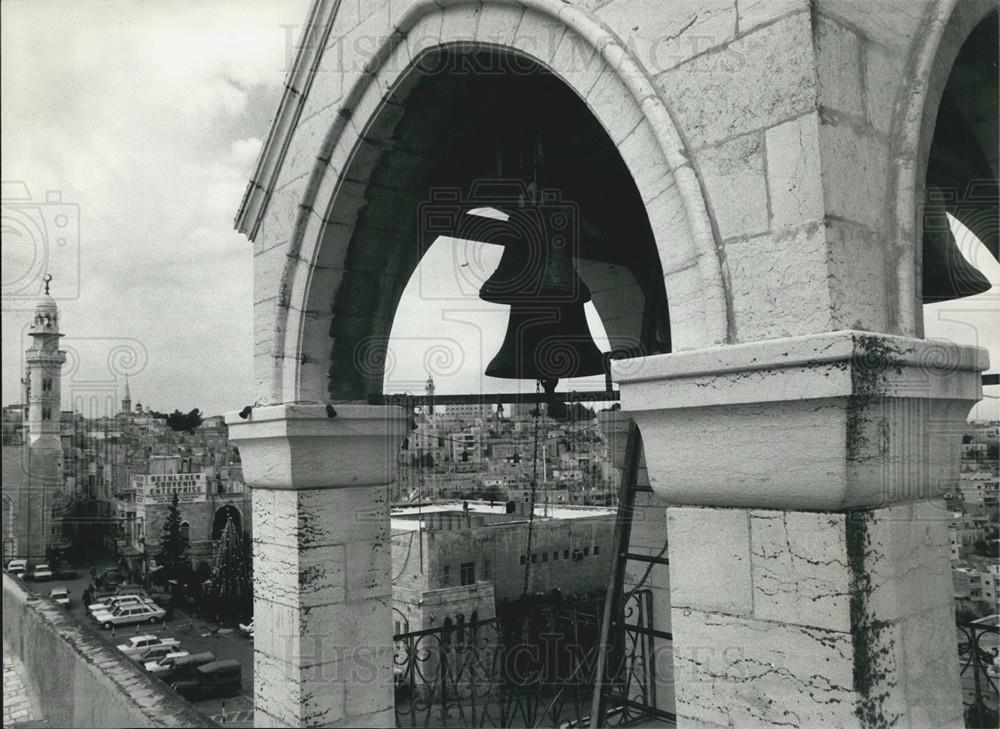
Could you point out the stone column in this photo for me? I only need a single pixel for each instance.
(809, 558)
(321, 544)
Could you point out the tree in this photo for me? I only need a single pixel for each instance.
(173, 556)
(178, 421)
(232, 587)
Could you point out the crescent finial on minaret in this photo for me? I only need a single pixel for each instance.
(47, 279)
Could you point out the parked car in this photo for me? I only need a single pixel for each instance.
(110, 603)
(164, 664)
(65, 573)
(247, 628)
(218, 678)
(41, 573)
(154, 653)
(110, 578)
(183, 665)
(60, 595)
(128, 588)
(147, 612)
(139, 644)
(17, 567)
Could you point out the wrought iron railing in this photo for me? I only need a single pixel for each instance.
(530, 668)
(978, 650)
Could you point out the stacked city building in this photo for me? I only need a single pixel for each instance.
(975, 518)
(97, 480)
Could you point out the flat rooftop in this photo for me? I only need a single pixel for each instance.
(552, 511)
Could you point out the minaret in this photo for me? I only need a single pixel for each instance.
(430, 394)
(127, 400)
(44, 361)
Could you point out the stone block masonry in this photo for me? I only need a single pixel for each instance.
(827, 620)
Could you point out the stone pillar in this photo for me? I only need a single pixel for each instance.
(809, 557)
(322, 579)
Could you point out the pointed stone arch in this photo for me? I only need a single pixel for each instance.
(328, 155)
(949, 24)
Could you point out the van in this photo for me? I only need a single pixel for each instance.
(212, 680)
(185, 665)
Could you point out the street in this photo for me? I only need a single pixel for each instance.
(195, 635)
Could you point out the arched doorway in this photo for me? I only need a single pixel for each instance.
(222, 515)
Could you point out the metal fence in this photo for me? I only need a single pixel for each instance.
(978, 650)
(530, 668)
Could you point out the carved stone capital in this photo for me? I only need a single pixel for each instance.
(821, 422)
(305, 447)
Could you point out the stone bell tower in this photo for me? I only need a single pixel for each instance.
(43, 456)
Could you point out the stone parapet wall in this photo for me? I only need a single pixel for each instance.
(81, 681)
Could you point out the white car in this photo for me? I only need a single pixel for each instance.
(247, 628)
(41, 572)
(140, 645)
(164, 664)
(147, 612)
(60, 595)
(17, 567)
(155, 653)
(109, 604)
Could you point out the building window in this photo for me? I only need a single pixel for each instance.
(46, 384)
(534, 558)
(446, 575)
(468, 573)
(186, 530)
(545, 556)
(46, 414)
(555, 556)
(522, 559)
(565, 554)
(597, 550)
(586, 551)
(486, 569)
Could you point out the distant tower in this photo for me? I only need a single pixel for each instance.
(127, 400)
(430, 394)
(36, 528)
(44, 364)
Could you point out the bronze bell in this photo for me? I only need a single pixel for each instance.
(960, 182)
(547, 334)
(945, 273)
(536, 265)
(546, 342)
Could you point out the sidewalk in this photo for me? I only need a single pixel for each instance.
(18, 707)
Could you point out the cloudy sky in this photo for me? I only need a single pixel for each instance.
(132, 128)
(147, 118)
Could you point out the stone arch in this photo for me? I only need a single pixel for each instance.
(950, 24)
(222, 514)
(611, 83)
